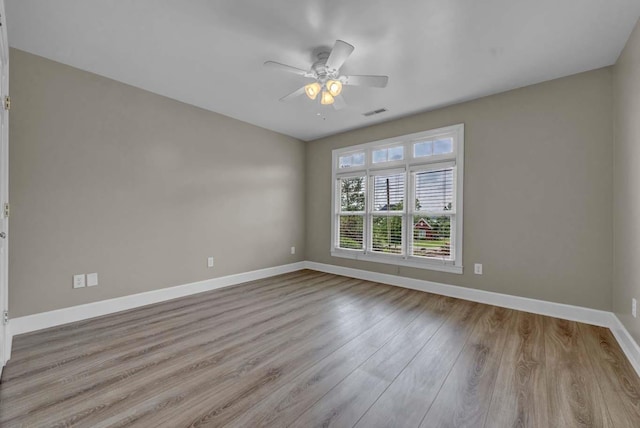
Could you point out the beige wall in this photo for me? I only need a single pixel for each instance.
(112, 179)
(626, 278)
(537, 202)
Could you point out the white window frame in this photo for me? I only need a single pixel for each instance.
(409, 165)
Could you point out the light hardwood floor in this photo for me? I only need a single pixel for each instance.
(312, 349)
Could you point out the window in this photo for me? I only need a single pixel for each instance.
(399, 201)
(388, 154)
(351, 213)
(351, 160)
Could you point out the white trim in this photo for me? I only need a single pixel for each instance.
(558, 310)
(398, 141)
(9, 344)
(44, 320)
(407, 166)
(541, 307)
(459, 186)
(431, 264)
(5, 339)
(627, 343)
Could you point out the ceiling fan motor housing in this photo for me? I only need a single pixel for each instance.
(322, 73)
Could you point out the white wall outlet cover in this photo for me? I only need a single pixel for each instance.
(634, 308)
(293, 250)
(477, 269)
(210, 262)
(78, 281)
(92, 279)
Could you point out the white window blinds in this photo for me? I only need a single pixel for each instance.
(386, 225)
(351, 213)
(434, 214)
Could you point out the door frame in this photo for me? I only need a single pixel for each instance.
(5, 335)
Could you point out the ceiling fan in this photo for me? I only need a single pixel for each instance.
(328, 81)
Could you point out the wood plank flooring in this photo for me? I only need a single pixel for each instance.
(311, 349)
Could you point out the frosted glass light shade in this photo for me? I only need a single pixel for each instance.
(312, 90)
(334, 87)
(326, 99)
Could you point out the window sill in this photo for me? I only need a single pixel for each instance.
(390, 260)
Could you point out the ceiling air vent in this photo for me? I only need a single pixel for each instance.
(372, 112)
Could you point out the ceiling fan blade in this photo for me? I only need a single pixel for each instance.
(338, 102)
(292, 95)
(372, 81)
(339, 54)
(287, 68)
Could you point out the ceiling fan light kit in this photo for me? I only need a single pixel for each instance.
(328, 80)
(327, 98)
(334, 87)
(331, 89)
(312, 90)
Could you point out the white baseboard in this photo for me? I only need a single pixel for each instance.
(8, 344)
(627, 343)
(44, 320)
(541, 307)
(48, 319)
(558, 310)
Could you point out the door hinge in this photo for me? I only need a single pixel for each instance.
(7, 102)
(5, 317)
(7, 210)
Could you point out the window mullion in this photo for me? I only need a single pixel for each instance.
(368, 209)
(453, 245)
(408, 213)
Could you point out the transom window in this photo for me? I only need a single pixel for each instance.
(399, 201)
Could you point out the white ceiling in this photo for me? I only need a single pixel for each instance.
(209, 53)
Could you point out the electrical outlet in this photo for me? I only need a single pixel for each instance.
(92, 279)
(477, 269)
(210, 262)
(78, 281)
(634, 308)
(293, 250)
